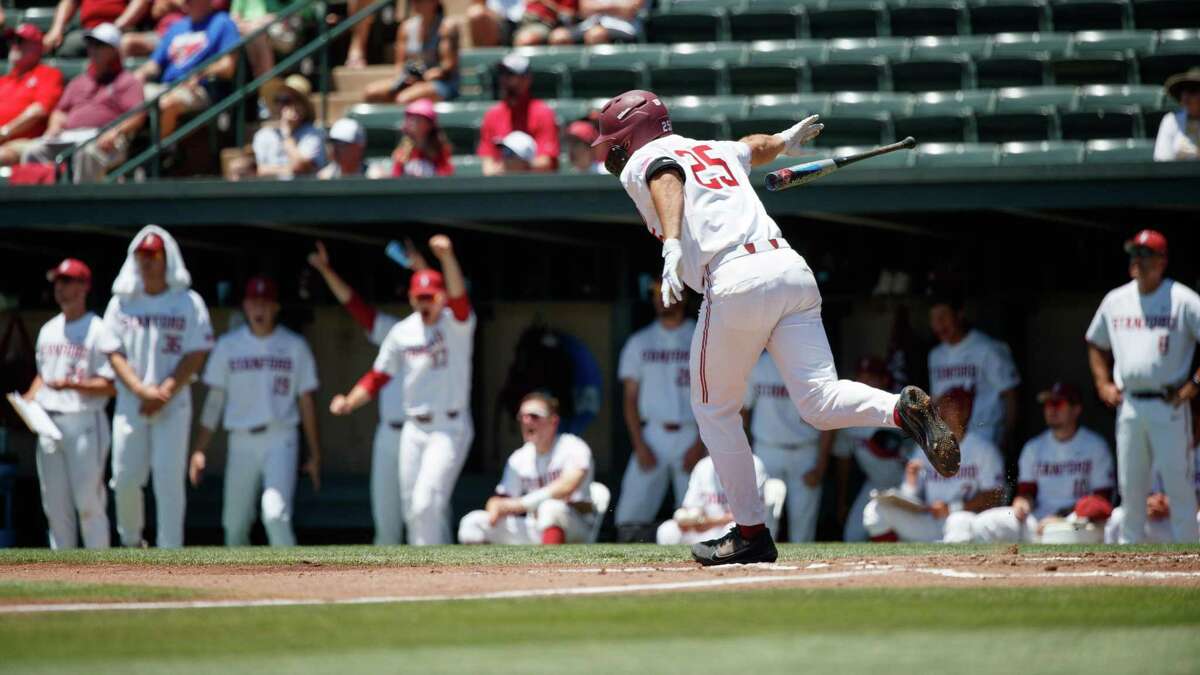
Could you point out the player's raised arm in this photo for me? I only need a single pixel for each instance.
(765, 148)
(443, 250)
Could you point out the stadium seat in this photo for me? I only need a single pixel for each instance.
(1103, 41)
(467, 166)
(847, 18)
(861, 118)
(933, 47)
(857, 64)
(1102, 97)
(475, 70)
(41, 17)
(1025, 44)
(1074, 15)
(892, 160)
(1032, 120)
(1020, 99)
(609, 69)
(1177, 51)
(1093, 68)
(1113, 151)
(1011, 71)
(768, 20)
(932, 74)
(550, 68)
(1085, 125)
(943, 117)
(1159, 14)
(689, 21)
(1008, 16)
(774, 67)
(461, 126)
(769, 114)
(911, 18)
(706, 117)
(696, 69)
(381, 123)
(570, 109)
(1041, 153)
(955, 155)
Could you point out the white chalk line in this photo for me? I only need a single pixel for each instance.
(880, 570)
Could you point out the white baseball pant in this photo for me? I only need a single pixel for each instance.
(261, 468)
(431, 457)
(71, 477)
(854, 530)
(1150, 432)
(769, 299)
(474, 527)
(669, 533)
(1155, 531)
(145, 447)
(803, 502)
(385, 486)
(643, 490)
(880, 519)
(993, 526)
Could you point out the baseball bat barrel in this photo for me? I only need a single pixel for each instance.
(807, 172)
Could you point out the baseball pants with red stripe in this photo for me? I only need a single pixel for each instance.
(768, 300)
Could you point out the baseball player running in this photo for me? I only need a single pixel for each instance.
(385, 451)
(73, 385)
(666, 445)
(696, 197)
(165, 333)
(705, 512)
(881, 454)
(544, 496)
(1140, 347)
(1057, 468)
(261, 378)
(430, 351)
(788, 447)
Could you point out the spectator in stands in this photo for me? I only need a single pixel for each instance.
(547, 21)
(163, 14)
(94, 99)
(584, 158)
(604, 22)
(1179, 131)
(349, 141)
(424, 150)
(28, 92)
(426, 58)
(493, 22)
(251, 15)
(190, 41)
(293, 146)
(518, 151)
(124, 14)
(518, 111)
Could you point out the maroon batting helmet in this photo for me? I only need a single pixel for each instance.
(630, 121)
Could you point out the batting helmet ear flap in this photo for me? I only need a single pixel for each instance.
(616, 159)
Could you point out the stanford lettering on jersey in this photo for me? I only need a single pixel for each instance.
(160, 321)
(437, 343)
(665, 356)
(1083, 467)
(540, 481)
(1145, 322)
(966, 472)
(717, 499)
(277, 363)
(771, 390)
(67, 349)
(955, 371)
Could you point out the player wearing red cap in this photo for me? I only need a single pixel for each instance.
(73, 384)
(430, 351)
(261, 378)
(1140, 347)
(697, 199)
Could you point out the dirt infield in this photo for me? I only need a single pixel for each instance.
(322, 582)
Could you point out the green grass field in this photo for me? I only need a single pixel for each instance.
(1079, 629)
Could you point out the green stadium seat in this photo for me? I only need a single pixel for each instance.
(847, 18)
(1074, 15)
(611, 69)
(768, 20)
(1024, 114)
(551, 68)
(1159, 14)
(1116, 151)
(933, 47)
(1094, 68)
(1081, 125)
(1041, 153)
(690, 21)
(1027, 44)
(861, 119)
(705, 118)
(1022, 99)
(858, 49)
(1103, 41)
(857, 64)
(1151, 119)
(892, 160)
(381, 123)
(41, 17)
(774, 67)
(932, 74)
(914, 18)
(461, 126)
(1011, 71)
(955, 155)
(467, 166)
(768, 114)
(570, 109)
(696, 69)
(1177, 51)
(944, 117)
(475, 67)
(1008, 16)
(1102, 97)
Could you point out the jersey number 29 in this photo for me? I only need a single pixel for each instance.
(701, 161)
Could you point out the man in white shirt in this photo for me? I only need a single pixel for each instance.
(1179, 131)
(73, 385)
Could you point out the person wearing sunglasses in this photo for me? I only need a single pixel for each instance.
(1140, 347)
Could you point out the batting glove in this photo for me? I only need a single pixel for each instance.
(804, 131)
(672, 287)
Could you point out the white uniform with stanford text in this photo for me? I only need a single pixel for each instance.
(262, 378)
(156, 332)
(758, 293)
(71, 470)
(881, 455)
(527, 471)
(786, 444)
(706, 496)
(1062, 471)
(434, 363)
(1152, 339)
(981, 469)
(982, 366)
(385, 451)
(1155, 531)
(657, 359)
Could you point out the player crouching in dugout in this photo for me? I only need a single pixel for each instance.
(544, 495)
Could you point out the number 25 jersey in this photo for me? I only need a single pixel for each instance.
(721, 209)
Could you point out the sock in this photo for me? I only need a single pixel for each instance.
(553, 535)
(751, 531)
(889, 537)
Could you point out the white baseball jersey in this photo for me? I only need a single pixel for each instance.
(156, 332)
(391, 397)
(880, 453)
(657, 359)
(1064, 472)
(73, 351)
(262, 377)
(1152, 337)
(981, 469)
(705, 492)
(982, 366)
(433, 361)
(721, 209)
(527, 470)
(774, 418)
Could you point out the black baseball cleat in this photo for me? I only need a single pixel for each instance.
(733, 549)
(920, 420)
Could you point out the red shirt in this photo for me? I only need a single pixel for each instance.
(41, 84)
(534, 118)
(421, 165)
(92, 13)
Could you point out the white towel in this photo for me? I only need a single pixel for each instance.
(129, 281)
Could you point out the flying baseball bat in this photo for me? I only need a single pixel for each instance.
(810, 171)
